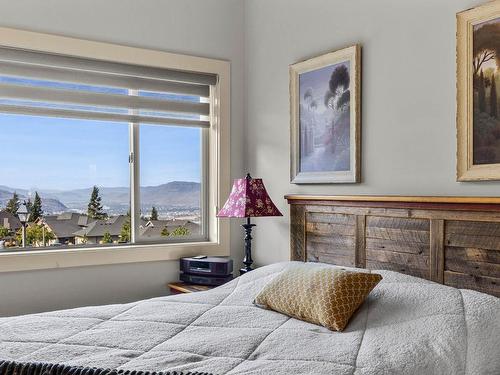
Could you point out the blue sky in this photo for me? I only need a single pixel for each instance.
(63, 154)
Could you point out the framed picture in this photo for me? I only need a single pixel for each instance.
(325, 118)
(478, 91)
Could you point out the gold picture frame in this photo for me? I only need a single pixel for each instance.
(325, 118)
(477, 132)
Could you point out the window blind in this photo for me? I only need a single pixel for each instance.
(43, 84)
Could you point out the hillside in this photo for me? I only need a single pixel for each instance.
(171, 196)
(175, 194)
(49, 205)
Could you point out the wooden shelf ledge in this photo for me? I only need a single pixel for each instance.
(394, 198)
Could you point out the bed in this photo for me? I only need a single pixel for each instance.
(408, 324)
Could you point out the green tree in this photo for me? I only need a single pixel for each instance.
(43, 235)
(36, 210)
(165, 232)
(35, 234)
(493, 98)
(154, 214)
(180, 231)
(107, 238)
(94, 208)
(481, 93)
(13, 204)
(4, 232)
(125, 231)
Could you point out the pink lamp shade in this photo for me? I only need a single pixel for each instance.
(249, 198)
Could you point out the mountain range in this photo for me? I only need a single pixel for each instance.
(176, 195)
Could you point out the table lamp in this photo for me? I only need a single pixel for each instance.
(248, 199)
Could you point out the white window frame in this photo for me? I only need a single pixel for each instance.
(217, 166)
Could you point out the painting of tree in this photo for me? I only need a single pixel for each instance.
(485, 63)
(325, 119)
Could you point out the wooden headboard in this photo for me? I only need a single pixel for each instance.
(450, 240)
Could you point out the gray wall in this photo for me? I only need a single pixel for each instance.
(209, 28)
(408, 97)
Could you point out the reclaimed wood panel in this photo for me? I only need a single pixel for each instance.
(397, 223)
(399, 233)
(437, 250)
(490, 285)
(472, 267)
(331, 238)
(473, 254)
(402, 268)
(467, 240)
(374, 244)
(409, 213)
(332, 258)
(336, 241)
(414, 261)
(456, 243)
(297, 233)
(473, 228)
(316, 248)
(316, 217)
(360, 247)
(327, 229)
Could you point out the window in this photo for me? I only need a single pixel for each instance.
(56, 163)
(171, 176)
(110, 154)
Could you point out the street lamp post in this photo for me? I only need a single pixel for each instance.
(23, 215)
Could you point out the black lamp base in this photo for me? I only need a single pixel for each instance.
(247, 261)
(245, 270)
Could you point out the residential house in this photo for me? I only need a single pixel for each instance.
(12, 224)
(64, 226)
(94, 232)
(9, 221)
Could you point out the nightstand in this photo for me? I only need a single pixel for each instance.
(182, 287)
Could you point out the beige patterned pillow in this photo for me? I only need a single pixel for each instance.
(321, 295)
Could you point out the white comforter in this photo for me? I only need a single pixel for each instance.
(406, 326)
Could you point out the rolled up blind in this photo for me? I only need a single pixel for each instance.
(43, 84)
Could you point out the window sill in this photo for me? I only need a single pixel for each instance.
(63, 258)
